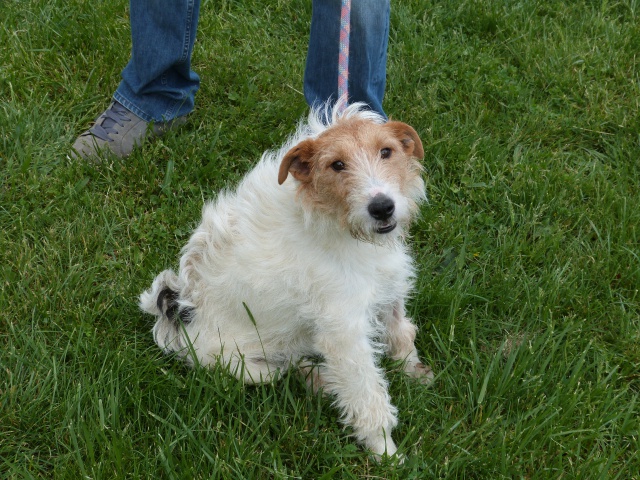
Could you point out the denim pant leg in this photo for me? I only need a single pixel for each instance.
(158, 83)
(367, 52)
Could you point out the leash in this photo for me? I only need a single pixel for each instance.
(343, 56)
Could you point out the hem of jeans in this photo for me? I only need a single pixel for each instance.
(131, 106)
(168, 115)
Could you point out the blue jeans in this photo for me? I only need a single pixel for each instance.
(367, 52)
(159, 85)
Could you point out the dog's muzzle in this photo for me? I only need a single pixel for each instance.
(381, 208)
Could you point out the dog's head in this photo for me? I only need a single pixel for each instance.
(364, 174)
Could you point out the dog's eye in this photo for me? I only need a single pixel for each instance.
(338, 165)
(385, 153)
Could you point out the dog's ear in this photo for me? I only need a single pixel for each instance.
(409, 138)
(298, 162)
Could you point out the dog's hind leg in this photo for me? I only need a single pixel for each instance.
(312, 374)
(401, 335)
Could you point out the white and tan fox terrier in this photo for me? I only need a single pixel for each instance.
(307, 259)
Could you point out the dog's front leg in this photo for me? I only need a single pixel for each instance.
(350, 373)
(400, 338)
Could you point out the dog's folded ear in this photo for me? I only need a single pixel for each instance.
(298, 162)
(409, 138)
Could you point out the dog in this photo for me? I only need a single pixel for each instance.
(307, 259)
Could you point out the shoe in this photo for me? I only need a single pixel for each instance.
(120, 131)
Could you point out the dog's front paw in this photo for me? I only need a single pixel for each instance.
(382, 448)
(397, 458)
(421, 372)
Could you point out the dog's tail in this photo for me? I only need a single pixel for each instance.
(163, 301)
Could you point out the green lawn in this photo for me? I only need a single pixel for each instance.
(528, 252)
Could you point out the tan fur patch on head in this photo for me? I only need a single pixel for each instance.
(340, 162)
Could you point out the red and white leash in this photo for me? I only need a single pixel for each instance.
(343, 57)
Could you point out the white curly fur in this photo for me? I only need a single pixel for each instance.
(276, 274)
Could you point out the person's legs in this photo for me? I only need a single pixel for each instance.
(157, 84)
(367, 52)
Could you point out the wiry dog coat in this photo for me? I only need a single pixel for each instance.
(306, 258)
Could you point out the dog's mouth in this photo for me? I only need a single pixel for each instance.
(386, 227)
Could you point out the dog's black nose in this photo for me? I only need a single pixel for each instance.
(381, 207)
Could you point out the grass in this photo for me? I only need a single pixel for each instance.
(527, 296)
